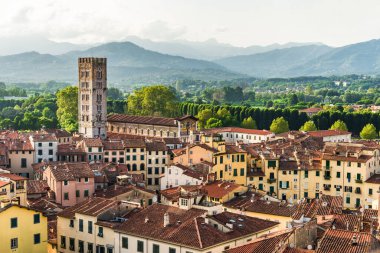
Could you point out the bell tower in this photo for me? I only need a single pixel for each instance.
(92, 97)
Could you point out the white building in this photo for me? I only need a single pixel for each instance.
(238, 134)
(178, 174)
(331, 135)
(45, 146)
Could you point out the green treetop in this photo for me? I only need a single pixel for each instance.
(279, 125)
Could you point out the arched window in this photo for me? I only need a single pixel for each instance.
(128, 167)
(134, 167)
(142, 166)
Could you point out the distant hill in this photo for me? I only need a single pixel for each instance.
(127, 63)
(360, 58)
(207, 50)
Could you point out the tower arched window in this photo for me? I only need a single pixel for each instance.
(134, 167)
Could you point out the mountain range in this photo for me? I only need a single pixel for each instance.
(145, 61)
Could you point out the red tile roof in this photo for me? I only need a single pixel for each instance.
(327, 133)
(71, 171)
(93, 142)
(189, 227)
(336, 240)
(37, 186)
(220, 189)
(12, 177)
(91, 207)
(239, 130)
(374, 179)
(267, 244)
(159, 121)
(311, 110)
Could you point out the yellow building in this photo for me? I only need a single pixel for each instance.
(231, 164)
(220, 192)
(22, 230)
(13, 189)
(346, 167)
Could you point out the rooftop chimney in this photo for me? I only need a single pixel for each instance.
(166, 219)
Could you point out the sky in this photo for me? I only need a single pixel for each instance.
(236, 22)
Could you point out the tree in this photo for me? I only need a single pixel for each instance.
(203, 116)
(279, 125)
(213, 122)
(368, 132)
(158, 100)
(67, 113)
(293, 100)
(249, 123)
(339, 125)
(308, 126)
(115, 94)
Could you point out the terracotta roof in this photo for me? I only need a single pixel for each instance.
(219, 189)
(20, 144)
(91, 207)
(374, 179)
(187, 117)
(3, 183)
(113, 145)
(297, 250)
(156, 146)
(69, 149)
(134, 143)
(189, 227)
(347, 222)
(159, 121)
(93, 142)
(239, 130)
(171, 140)
(266, 244)
(37, 186)
(336, 240)
(311, 110)
(71, 171)
(233, 149)
(59, 133)
(327, 133)
(253, 202)
(12, 177)
(44, 137)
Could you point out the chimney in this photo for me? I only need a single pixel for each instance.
(166, 220)
(146, 219)
(354, 240)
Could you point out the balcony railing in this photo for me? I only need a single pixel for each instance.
(326, 188)
(327, 177)
(359, 181)
(271, 180)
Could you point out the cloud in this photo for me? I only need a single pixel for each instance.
(160, 30)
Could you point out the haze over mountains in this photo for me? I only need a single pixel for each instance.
(145, 61)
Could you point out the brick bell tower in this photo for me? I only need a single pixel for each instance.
(92, 97)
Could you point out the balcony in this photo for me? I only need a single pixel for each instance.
(359, 181)
(326, 188)
(271, 180)
(327, 177)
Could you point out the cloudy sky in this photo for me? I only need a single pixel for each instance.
(238, 22)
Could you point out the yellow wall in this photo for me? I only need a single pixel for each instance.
(232, 166)
(24, 231)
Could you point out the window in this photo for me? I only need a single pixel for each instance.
(338, 163)
(235, 172)
(72, 244)
(77, 193)
(370, 191)
(80, 225)
(89, 227)
(66, 196)
(36, 218)
(65, 182)
(156, 248)
(338, 174)
(140, 246)
(89, 149)
(37, 238)
(172, 250)
(86, 193)
(306, 174)
(348, 200)
(40, 152)
(14, 243)
(81, 246)
(23, 163)
(90, 248)
(50, 152)
(100, 231)
(13, 222)
(86, 179)
(40, 144)
(63, 242)
(71, 223)
(50, 144)
(124, 242)
(317, 173)
(142, 157)
(109, 250)
(242, 172)
(128, 157)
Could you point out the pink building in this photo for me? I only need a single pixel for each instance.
(71, 183)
